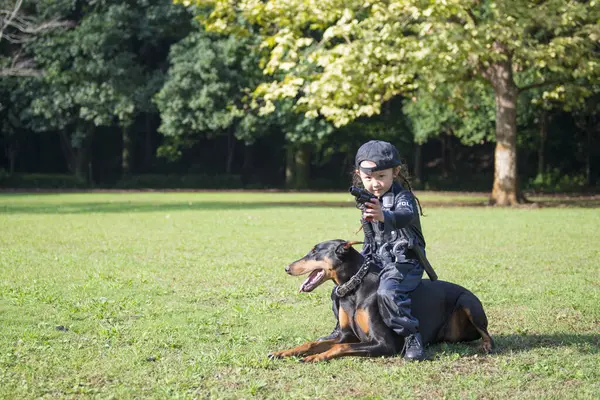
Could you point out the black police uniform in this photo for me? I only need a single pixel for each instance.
(402, 272)
(389, 247)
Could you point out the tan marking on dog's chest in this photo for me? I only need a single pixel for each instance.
(343, 317)
(362, 319)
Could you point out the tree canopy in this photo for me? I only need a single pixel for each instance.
(344, 59)
(289, 89)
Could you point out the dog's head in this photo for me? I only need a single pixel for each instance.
(322, 263)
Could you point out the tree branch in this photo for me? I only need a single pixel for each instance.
(542, 84)
(20, 72)
(21, 67)
(23, 26)
(11, 16)
(472, 16)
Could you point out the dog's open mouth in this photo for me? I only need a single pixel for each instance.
(314, 279)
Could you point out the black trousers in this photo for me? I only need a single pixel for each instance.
(396, 281)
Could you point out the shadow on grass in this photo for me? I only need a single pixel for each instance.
(228, 203)
(516, 343)
(585, 343)
(144, 207)
(571, 203)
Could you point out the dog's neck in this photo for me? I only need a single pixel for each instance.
(352, 263)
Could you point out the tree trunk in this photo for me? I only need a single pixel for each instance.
(82, 152)
(542, 147)
(247, 164)
(126, 152)
(149, 149)
(67, 147)
(77, 157)
(12, 160)
(91, 174)
(297, 171)
(230, 150)
(451, 151)
(588, 157)
(80, 163)
(443, 141)
(418, 166)
(289, 166)
(302, 167)
(589, 127)
(505, 191)
(11, 150)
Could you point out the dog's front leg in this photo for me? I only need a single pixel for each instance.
(372, 349)
(305, 349)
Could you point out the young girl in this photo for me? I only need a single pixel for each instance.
(393, 215)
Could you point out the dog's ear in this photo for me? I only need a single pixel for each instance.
(350, 244)
(344, 247)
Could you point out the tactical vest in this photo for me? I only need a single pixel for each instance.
(396, 237)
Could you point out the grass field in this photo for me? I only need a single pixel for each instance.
(183, 295)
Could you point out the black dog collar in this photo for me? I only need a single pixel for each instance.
(354, 282)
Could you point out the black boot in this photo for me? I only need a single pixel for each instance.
(413, 345)
(333, 335)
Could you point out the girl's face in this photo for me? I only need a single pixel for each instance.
(378, 182)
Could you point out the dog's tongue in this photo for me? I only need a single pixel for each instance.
(309, 284)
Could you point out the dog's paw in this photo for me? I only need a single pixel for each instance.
(274, 356)
(488, 347)
(314, 358)
(281, 354)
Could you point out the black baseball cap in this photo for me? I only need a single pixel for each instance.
(383, 154)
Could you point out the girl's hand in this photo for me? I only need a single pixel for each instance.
(373, 211)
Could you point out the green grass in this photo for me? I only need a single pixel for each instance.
(182, 295)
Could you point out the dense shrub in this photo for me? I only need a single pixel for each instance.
(480, 182)
(555, 181)
(41, 181)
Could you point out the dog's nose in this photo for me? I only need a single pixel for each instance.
(287, 269)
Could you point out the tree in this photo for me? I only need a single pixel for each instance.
(343, 59)
(104, 73)
(464, 111)
(588, 120)
(13, 115)
(206, 92)
(303, 136)
(19, 24)
(452, 111)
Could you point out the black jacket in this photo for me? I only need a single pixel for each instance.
(401, 221)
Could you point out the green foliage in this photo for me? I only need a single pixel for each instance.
(207, 87)
(343, 59)
(555, 181)
(208, 93)
(100, 72)
(16, 95)
(297, 127)
(109, 75)
(467, 112)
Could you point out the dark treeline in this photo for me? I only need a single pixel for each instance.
(136, 94)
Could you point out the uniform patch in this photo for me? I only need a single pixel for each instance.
(405, 203)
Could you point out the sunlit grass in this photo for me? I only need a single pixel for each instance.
(184, 294)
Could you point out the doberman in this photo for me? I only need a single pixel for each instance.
(446, 312)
